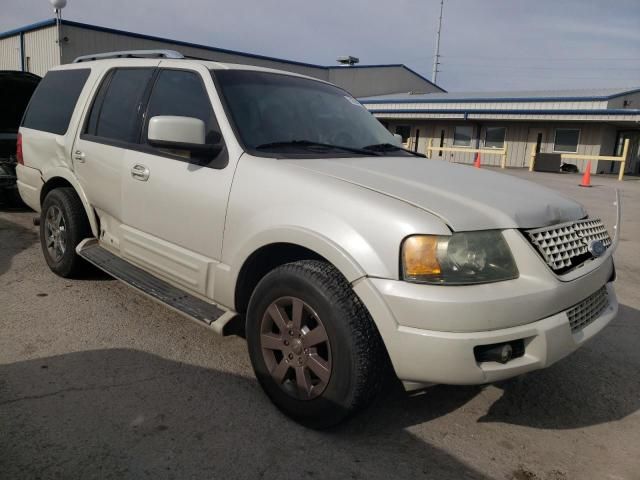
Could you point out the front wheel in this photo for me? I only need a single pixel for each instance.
(313, 345)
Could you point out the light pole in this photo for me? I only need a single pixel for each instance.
(58, 5)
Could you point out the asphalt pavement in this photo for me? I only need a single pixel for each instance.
(97, 381)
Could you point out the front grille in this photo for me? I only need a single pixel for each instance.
(588, 310)
(567, 245)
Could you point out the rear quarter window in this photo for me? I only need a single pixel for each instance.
(54, 101)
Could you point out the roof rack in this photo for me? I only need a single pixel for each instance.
(130, 54)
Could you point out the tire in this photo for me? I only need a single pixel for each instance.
(63, 203)
(353, 353)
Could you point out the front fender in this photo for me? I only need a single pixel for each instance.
(356, 229)
(228, 272)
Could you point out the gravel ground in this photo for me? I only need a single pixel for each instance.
(97, 381)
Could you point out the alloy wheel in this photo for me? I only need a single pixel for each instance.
(296, 348)
(55, 233)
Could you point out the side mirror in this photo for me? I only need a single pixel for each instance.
(182, 134)
(398, 139)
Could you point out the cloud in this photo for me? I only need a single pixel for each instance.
(486, 45)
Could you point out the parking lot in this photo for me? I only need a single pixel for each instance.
(97, 381)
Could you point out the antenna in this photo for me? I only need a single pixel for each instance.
(58, 5)
(436, 57)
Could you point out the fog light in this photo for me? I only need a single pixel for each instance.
(499, 352)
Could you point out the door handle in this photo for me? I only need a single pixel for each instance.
(140, 172)
(79, 156)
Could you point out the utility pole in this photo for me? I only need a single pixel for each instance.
(436, 57)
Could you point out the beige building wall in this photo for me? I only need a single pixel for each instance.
(520, 137)
(41, 50)
(10, 53)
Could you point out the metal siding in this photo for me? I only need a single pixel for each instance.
(633, 100)
(83, 42)
(607, 147)
(595, 139)
(41, 47)
(10, 53)
(362, 82)
(497, 106)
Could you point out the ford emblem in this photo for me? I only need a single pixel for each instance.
(596, 247)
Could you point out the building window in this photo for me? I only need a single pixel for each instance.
(462, 136)
(566, 140)
(494, 137)
(404, 131)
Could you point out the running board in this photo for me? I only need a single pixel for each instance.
(192, 307)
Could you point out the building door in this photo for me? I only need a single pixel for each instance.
(534, 137)
(633, 161)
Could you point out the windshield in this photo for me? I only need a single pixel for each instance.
(282, 114)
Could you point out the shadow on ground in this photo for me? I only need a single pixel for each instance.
(14, 238)
(125, 413)
(597, 384)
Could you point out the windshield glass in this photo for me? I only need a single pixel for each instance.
(283, 114)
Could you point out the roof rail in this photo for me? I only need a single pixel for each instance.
(130, 54)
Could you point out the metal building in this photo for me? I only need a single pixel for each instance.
(35, 48)
(576, 124)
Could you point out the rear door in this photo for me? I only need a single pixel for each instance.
(111, 126)
(173, 216)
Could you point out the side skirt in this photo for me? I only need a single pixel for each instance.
(192, 307)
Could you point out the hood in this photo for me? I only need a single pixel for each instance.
(463, 197)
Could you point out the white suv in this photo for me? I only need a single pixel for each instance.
(244, 196)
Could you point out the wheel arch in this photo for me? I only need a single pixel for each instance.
(270, 253)
(62, 177)
(261, 262)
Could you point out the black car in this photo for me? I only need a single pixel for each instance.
(16, 89)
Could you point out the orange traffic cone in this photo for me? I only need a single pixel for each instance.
(586, 178)
(476, 162)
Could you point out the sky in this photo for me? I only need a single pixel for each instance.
(486, 45)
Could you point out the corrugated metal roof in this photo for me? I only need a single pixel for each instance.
(586, 95)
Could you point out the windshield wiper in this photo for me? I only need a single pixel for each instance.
(389, 147)
(308, 144)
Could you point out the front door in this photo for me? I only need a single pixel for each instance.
(174, 214)
(535, 140)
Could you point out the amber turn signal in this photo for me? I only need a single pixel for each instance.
(419, 256)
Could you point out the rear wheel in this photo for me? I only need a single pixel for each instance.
(313, 345)
(63, 225)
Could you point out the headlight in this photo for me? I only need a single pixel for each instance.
(459, 259)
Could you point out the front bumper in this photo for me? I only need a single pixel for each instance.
(428, 356)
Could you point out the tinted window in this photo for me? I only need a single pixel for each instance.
(118, 114)
(566, 140)
(270, 109)
(16, 89)
(54, 100)
(182, 94)
(462, 136)
(494, 137)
